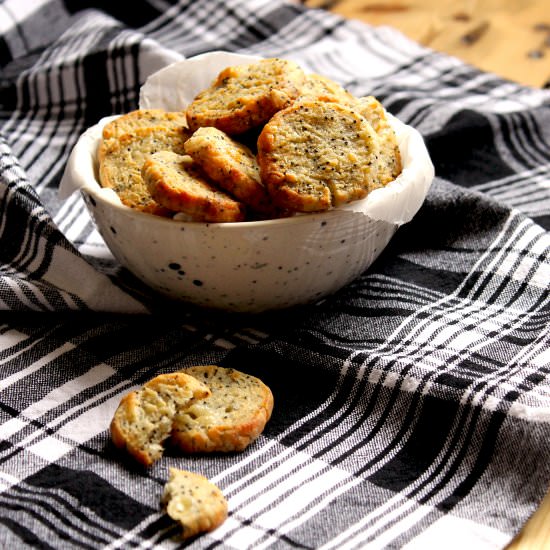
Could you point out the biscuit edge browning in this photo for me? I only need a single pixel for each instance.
(232, 166)
(175, 182)
(316, 154)
(231, 418)
(192, 500)
(239, 99)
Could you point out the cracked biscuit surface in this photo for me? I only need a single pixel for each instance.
(243, 97)
(318, 154)
(144, 418)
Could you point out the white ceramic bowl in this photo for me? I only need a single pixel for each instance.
(250, 266)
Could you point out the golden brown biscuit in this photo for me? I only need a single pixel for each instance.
(194, 501)
(390, 156)
(231, 165)
(318, 154)
(321, 88)
(128, 123)
(245, 96)
(144, 418)
(231, 418)
(175, 182)
(121, 159)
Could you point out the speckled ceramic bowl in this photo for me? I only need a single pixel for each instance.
(251, 266)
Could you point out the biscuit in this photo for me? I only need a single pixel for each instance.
(245, 96)
(390, 156)
(322, 88)
(193, 501)
(144, 418)
(128, 123)
(175, 182)
(318, 154)
(231, 418)
(231, 165)
(121, 159)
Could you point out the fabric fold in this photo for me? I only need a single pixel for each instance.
(411, 407)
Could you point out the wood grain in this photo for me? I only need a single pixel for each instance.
(535, 534)
(510, 38)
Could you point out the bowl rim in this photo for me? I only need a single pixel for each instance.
(297, 218)
(81, 174)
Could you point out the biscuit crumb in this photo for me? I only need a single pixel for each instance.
(175, 182)
(144, 418)
(193, 501)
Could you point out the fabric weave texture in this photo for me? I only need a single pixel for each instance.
(412, 408)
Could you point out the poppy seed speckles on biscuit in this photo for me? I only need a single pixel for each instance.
(264, 141)
(176, 183)
(390, 157)
(193, 501)
(176, 408)
(121, 159)
(143, 420)
(232, 417)
(246, 96)
(232, 166)
(318, 154)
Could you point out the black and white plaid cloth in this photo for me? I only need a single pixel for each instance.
(412, 408)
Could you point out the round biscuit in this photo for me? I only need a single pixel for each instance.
(231, 165)
(144, 118)
(231, 418)
(245, 96)
(175, 182)
(318, 154)
(390, 157)
(121, 159)
(321, 88)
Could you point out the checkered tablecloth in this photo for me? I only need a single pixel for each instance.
(412, 408)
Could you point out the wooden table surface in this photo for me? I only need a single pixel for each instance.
(510, 38)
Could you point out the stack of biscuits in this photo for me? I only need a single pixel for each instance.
(265, 140)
